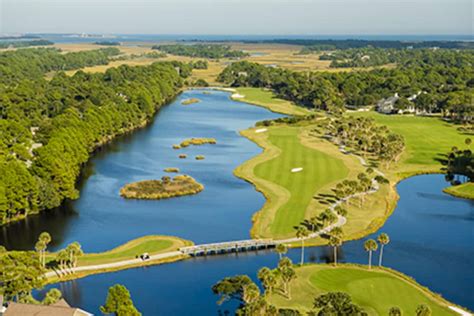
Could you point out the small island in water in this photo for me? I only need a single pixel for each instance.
(161, 189)
(190, 101)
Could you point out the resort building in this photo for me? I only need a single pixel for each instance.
(61, 308)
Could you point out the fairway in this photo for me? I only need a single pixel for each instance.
(133, 248)
(426, 139)
(319, 170)
(267, 99)
(376, 291)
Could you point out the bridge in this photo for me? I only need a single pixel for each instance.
(228, 247)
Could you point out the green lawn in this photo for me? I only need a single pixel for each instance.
(319, 169)
(131, 249)
(465, 190)
(426, 138)
(267, 99)
(376, 291)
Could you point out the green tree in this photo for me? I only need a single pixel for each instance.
(287, 274)
(231, 288)
(423, 310)
(119, 302)
(301, 233)
(281, 249)
(51, 297)
(268, 279)
(337, 304)
(20, 273)
(74, 251)
(44, 238)
(335, 241)
(370, 245)
(383, 240)
(395, 311)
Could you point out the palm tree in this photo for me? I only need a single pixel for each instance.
(40, 247)
(45, 239)
(383, 240)
(370, 245)
(268, 279)
(74, 250)
(335, 242)
(301, 233)
(281, 249)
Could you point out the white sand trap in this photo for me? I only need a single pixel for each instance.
(296, 169)
(261, 130)
(238, 96)
(459, 311)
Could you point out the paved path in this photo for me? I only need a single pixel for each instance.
(118, 264)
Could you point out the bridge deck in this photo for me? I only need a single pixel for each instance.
(228, 246)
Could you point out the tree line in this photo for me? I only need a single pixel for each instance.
(32, 64)
(445, 78)
(332, 44)
(211, 51)
(19, 44)
(48, 129)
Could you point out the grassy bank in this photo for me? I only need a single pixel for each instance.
(268, 100)
(465, 190)
(375, 290)
(153, 245)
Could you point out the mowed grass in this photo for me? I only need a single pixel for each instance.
(267, 99)
(465, 190)
(376, 291)
(319, 170)
(151, 244)
(427, 139)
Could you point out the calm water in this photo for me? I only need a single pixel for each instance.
(101, 219)
(431, 240)
(431, 233)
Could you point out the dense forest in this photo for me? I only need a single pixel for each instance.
(331, 44)
(18, 44)
(48, 129)
(34, 63)
(108, 43)
(444, 78)
(212, 51)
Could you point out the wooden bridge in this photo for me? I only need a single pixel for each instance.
(228, 247)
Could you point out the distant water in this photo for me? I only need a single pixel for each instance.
(72, 38)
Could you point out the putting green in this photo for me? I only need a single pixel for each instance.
(319, 170)
(376, 291)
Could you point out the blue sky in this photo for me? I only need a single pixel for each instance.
(238, 16)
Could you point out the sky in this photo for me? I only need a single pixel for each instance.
(269, 17)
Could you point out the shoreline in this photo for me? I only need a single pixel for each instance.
(97, 147)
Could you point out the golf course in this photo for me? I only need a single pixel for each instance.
(375, 290)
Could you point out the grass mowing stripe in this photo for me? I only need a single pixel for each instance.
(319, 169)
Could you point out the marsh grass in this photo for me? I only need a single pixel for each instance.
(161, 189)
(197, 141)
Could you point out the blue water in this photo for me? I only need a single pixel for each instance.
(431, 240)
(67, 38)
(431, 233)
(101, 219)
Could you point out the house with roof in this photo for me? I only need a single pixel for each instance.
(60, 308)
(387, 105)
